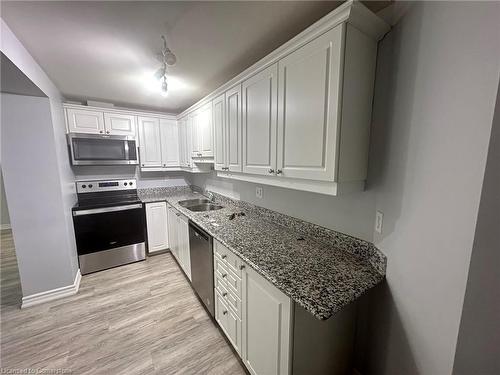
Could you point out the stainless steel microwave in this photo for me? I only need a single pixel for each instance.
(97, 149)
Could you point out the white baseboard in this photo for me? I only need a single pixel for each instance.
(50, 295)
(4, 226)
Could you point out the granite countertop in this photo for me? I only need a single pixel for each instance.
(319, 275)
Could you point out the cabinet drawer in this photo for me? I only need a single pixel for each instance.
(228, 321)
(233, 283)
(231, 260)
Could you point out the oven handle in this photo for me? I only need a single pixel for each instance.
(107, 209)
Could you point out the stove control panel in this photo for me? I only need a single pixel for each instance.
(105, 185)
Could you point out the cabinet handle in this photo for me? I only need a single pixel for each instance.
(224, 294)
(279, 171)
(242, 267)
(224, 256)
(224, 275)
(107, 132)
(143, 165)
(224, 312)
(100, 131)
(177, 214)
(271, 171)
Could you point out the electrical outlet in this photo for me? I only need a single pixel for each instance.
(379, 220)
(258, 192)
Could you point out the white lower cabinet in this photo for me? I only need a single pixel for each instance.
(262, 336)
(178, 229)
(156, 221)
(183, 244)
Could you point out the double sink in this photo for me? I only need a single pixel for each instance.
(199, 205)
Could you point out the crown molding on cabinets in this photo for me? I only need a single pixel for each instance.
(120, 110)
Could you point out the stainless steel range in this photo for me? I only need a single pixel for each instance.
(109, 224)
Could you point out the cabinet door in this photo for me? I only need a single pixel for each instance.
(172, 232)
(119, 124)
(228, 321)
(233, 129)
(156, 220)
(181, 129)
(266, 326)
(169, 143)
(219, 133)
(85, 121)
(309, 83)
(183, 240)
(195, 134)
(205, 131)
(192, 140)
(149, 142)
(259, 122)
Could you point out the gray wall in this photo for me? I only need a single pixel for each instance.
(44, 251)
(479, 338)
(436, 83)
(43, 228)
(4, 209)
(352, 214)
(437, 78)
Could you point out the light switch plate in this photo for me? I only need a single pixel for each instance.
(379, 220)
(258, 192)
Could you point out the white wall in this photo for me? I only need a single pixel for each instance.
(437, 76)
(32, 185)
(63, 185)
(479, 337)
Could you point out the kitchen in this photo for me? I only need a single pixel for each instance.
(209, 230)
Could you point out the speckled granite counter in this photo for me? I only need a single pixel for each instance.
(320, 269)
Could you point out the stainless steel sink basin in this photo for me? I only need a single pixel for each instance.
(193, 202)
(204, 207)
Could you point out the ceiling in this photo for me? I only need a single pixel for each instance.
(108, 50)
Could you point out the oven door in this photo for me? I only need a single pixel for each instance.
(94, 149)
(108, 228)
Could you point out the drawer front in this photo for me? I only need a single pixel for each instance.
(220, 269)
(231, 260)
(229, 322)
(233, 302)
(220, 285)
(233, 283)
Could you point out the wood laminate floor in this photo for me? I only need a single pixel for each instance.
(141, 318)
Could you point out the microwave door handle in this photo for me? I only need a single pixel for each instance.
(107, 209)
(127, 157)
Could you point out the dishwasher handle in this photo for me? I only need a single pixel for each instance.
(200, 234)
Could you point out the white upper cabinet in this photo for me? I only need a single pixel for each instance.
(120, 124)
(181, 124)
(202, 132)
(90, 121)
(218, 112)
(85, 121)
(300, 117)
(205, 131)
(259, 107)
(149, 142)
(158, 143)
(308, 109)
(233, 130)
(169, 137)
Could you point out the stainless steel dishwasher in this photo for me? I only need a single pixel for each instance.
(202, 265)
